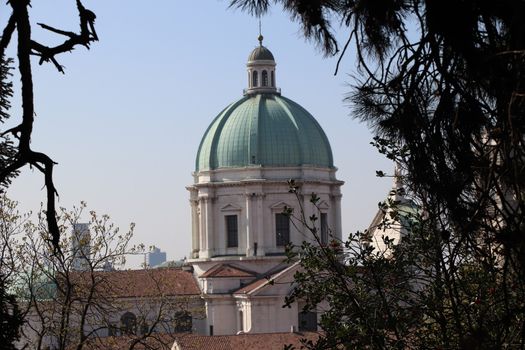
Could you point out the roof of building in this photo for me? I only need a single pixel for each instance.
(188, 341)
(227, 270)
(244, 341)
(158, 341)
(266, 130)
(261, 53)
(266, 279)
(170, 263)
(142, 283)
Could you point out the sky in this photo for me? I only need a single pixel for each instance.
(125, 120)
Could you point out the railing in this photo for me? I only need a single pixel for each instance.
(262, 89)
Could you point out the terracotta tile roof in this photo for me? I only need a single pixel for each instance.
(266, 341)
(141, 283)
(186, 341)
(254, 285)
(156, 341)
(227, 270)
(263, 280)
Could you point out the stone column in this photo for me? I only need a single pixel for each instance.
(261, 242)
(308, 209)
(337, 213)
(206, 227)
(249, 225)
(202, 228)
(195, 231)
(209, 226)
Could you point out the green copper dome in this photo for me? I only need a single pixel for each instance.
(263, 130)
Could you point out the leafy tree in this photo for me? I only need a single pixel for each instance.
(442, 86)
(77, 299)
(428, 291)
(11, 315)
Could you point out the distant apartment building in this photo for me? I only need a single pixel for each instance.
(155, 257)
(81, 246)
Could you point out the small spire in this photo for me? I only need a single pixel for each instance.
(260, 38)
(398, 182)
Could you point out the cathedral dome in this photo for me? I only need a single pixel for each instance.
(244, 161)
(264, 129)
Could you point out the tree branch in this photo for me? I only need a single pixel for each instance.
(86, 36)
(7, 34)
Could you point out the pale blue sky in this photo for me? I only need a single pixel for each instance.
(125, 121)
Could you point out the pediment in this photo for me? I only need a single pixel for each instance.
(281, 205)
(323, 205)
(227, 270)
(231, 207)
(278, 283)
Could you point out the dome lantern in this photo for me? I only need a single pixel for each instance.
(261, 71)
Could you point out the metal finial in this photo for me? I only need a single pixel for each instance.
(260, 38)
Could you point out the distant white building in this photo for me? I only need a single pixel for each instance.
(240, 190)
(80, 246)
(394, 221)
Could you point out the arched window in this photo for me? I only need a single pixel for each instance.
(264, 78)
(272, 79)
(128, 323)
(255, 78)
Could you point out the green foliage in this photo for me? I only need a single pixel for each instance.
(431, 291)
(7, 150)
(442, 85)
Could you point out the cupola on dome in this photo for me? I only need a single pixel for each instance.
(261, 53)
(263, 129)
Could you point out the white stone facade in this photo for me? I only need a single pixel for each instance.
(255, 196)
(239, 230)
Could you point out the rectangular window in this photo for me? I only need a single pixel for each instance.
(282, 229)
(324, 228)
(232, 231)
(307, 321)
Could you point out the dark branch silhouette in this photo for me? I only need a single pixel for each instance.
(19, 21)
